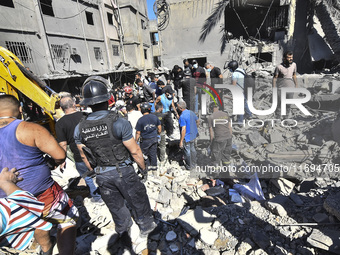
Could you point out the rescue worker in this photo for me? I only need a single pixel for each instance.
(111, 142)
(130, 99)
(167, 101)
(220, 134)
(147, 128)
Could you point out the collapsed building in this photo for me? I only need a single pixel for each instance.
(63, 42)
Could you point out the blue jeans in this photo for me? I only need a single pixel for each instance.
(81, 168)
(246, 110)
(190, 154)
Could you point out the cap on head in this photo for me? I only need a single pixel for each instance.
(233, 65)
(95, 91)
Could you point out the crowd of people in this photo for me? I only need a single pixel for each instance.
(126, 126)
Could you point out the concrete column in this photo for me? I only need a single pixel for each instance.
(42, 31)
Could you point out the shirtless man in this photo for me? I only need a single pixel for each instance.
(22, 146)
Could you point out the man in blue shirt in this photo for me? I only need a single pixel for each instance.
(188, 123)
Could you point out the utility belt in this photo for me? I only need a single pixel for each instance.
(141, 139)
(118, 167)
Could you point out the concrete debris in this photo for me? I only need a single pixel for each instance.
(326, 240)
(208, 236)
(276, 209)
(285, 186)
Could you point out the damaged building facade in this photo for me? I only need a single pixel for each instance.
(63, 42)
(253, 31)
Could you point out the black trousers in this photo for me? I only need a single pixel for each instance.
(116, 189)
(168, 123)
(149, 149)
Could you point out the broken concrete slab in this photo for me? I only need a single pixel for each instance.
(332, 204)
(208, 236)
(276, 137)
(164, 196)
(276, 209)
(256, 139)
(285, 186)
(327, 240)
(198, 218)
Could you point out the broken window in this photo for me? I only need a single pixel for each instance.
(145, 53)
(89, 18)
(115, 50)
(46, 7)
(143, 24)
(253, 19)
(21, 50)
(7, 3)
(98, 53)
(263, 57)
(57, 51)
(200, 61)
(110, 18)
(154, 38)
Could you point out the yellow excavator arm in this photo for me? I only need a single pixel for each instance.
(16, 79)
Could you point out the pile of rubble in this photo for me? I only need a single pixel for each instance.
(198, 217)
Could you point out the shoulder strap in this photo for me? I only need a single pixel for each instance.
(240, 72)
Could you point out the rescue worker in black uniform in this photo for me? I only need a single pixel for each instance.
(111, 142)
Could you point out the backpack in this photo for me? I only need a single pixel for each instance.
(249, 82)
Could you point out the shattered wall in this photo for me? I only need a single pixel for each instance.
(328, 12)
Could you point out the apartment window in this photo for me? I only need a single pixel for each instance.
(145, 54)
(110, 18)
(115, 50)
(98, 53)
(89, 18)
(7, 3)
(57, 51)
(46, 7)
(143, 24)
(21, 50)
(154, 38)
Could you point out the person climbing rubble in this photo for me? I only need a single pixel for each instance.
(111, 142)
(147, 129)
(285, 76)
(220, 135)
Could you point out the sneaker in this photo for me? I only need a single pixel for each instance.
(148, 231)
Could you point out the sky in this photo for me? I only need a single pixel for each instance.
(151, 14)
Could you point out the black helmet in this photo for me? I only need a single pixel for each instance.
(95, 91)
(233, 65)
(145, 107)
